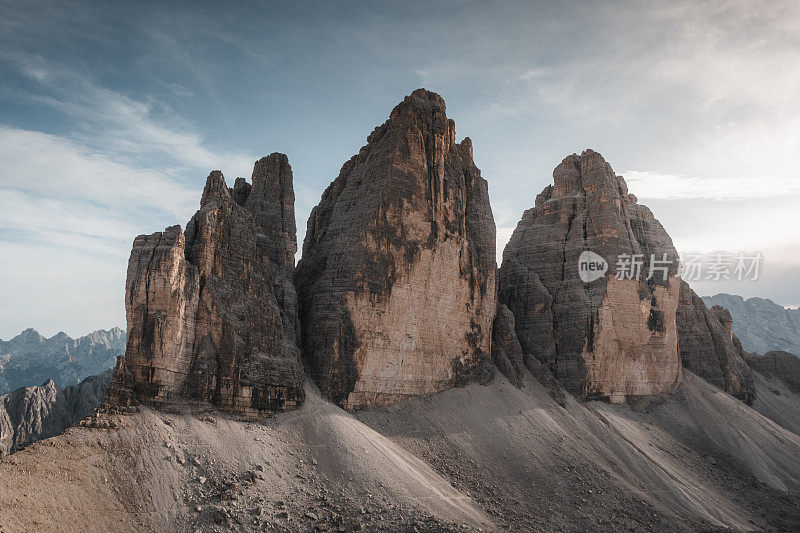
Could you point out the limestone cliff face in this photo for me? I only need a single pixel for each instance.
(397, 278)
(608, 337)
(709, 348)
(212, 312)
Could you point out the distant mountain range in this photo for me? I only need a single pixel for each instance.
(761, 325)
(29, 359)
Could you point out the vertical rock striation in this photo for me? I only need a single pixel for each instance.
(212, 312)
(397, 278)
(709, 348)
(609, 337)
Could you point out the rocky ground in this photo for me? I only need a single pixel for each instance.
(475, 458)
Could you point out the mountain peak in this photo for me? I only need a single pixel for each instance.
(406, 221)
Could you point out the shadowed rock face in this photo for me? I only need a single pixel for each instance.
(777, 365)
(397, 278)
(212, 312)
(609, 337)
(709, 348)
(507, 353)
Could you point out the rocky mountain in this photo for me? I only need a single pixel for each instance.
(30, 359)
(32, 413)
(212, 312)
(709, 348)
(614, 336)
(211, 424)
(397, 277)
(761, 325)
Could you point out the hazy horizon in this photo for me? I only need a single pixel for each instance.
(114, 114)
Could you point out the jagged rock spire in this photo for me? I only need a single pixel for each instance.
(212, 312)
(607, 337)
(397, 278)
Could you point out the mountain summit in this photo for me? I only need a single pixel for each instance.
(397, 278)
(610, 336)
(29, 359)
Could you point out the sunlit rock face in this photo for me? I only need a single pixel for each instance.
(212, 312)
(611, 335)
(397, 278)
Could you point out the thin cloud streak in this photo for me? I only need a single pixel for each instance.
(120, 124)
(655, 186)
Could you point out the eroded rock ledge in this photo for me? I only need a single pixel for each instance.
(397, 278)
(212, 312)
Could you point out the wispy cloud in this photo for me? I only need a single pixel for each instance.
(71, 204)
(65, 193)
(122, 124)
(655, 186)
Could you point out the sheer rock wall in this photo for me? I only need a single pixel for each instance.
(212, 312)
(397, 278)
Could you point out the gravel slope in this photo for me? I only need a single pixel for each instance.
(475, 458)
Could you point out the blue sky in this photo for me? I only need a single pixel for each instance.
(113, 113)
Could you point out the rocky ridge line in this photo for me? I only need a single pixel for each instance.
(30, 359)
(30, 414)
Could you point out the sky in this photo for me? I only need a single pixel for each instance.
(112, 114)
